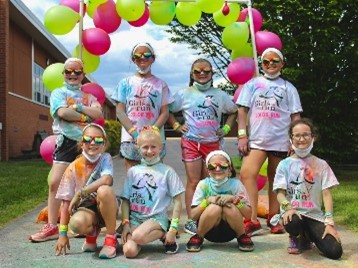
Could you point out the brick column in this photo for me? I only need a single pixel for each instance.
(4, 76)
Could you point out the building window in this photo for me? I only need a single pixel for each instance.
(40, 92)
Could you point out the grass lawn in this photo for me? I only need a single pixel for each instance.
(345, 201)
(23, 186)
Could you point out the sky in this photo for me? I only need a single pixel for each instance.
(173, 61)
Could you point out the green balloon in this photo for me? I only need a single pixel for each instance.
(210, 6)
(60, 20)
(92, 5)
(222, 20)
(235, 35)
(90, 61)
(53, 77)
(162, 13)
(188, 13)
(245, 51)
(130, 10)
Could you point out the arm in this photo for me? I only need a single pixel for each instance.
(221, 132)
(328, 206)
(125, 121)
(125, 217)
(295, 116)
(70, 114)
(176, 125)
(63, 242)
(289, 211)
(243, 142)
(163, 116)
(173, 229)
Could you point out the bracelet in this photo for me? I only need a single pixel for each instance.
(174, 224)
(204, 204)
(62, 233)
(83, 118)
(154, 127)
(328, 222)
(79, 108)
(328, 215)
(237, 200)
(176, 125)
(63, 227)
(131, 130)
(285, 205)
(83, 192)
(226, 128)
(240, 205)
(242, 132)
(173, 231)
(125, 221)
(135, 134)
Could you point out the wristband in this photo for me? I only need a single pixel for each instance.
(83, 118)
(173, 231)
(83, 192)
(328, 222)
(174, 224)
(242, 133)
(79, 108)
(131, 130)
(135, 134)
(125, 221)
(176, 125)
(328, 215)
(154, 127)
(240, 205)
(62, 233)
(63, 227)
(204, 204)
(285, 205)
(226, 128)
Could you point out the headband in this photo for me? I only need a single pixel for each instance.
(272, 49)
(80, 62)
(95, 125)
(217, 152)
(147, 45)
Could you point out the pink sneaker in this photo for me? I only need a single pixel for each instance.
(47, 232)
(90, 244)
(275, 229)
(109, 249)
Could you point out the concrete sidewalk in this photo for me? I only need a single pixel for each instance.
(17, 251)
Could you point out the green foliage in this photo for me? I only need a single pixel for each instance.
(23, 186)
(319, 40)
(113, 131)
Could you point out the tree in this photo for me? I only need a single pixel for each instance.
(319, 41)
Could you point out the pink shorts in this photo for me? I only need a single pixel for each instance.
(192, 150)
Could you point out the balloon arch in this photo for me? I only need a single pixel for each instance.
(241, 34)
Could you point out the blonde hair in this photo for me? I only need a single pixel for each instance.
(148, 133)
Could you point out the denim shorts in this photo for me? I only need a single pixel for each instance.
(163, 221)
(130, 152)
(66, 152)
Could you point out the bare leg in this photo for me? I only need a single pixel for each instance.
(193, 177)
(108, 207)
(250, 169)
(234, 218)
(210, 218)
(274, 206)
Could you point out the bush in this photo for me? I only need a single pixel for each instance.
(113, 130)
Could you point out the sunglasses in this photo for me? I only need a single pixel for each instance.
(214, 166)
(305, 136)
(70, 71)
(146, 55)
(273, 61)
(204, 70)
(89, 139)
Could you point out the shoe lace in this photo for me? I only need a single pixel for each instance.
(46, 228)
(196, 239)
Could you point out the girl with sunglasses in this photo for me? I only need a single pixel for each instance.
(202, 107)
(150, 188)
(88, 200)
(142, 100)
(268, 103)
(219, 204)
(302, 182)
(71, 110)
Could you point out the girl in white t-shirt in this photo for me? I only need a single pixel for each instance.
(302, 182)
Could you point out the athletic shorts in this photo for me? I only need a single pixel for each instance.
(163, 221)
(91, 204)
(221, 233)
(130, 152)
(66, 152)
(278, 154)
(193, 150)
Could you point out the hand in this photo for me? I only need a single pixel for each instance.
(183, 129)
(220, 133)
(332, 231)
(126, 234)
(287, 216)
(61, 244)
(74, 203)
(213, 199)
(243, 146)
(224, 200)
(169, 238)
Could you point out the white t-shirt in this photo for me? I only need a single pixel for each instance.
(304, 179)
(270, 103)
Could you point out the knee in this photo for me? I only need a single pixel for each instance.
(138, 238)
(103, 192)
(76, 224)
(294, 227)
(213, 211)
(130, 249)
(333, 249)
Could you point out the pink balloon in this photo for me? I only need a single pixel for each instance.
(47, 148)
(95, 90)
(96, 41)
(142, 20)
(237, 93)
(261, 181)
(74, 5)
(265, 40)
(241, 70)
(256, 16)
(106, 17)
(100, 121)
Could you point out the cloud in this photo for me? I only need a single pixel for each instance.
(172, 63)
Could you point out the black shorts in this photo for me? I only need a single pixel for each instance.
(67, 152)
(91, 204)
(221, 233)
(279, 154)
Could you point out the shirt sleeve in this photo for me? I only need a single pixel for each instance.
(199, 194)
(177, 104)
(280, 180)
(119, 93)
(175, 184)
(328, 178)
(107, 165)
(57, 101)
(229, 106)
(294, 99)
(242, 193)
